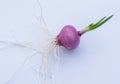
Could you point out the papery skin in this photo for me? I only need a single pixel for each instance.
(68, 37)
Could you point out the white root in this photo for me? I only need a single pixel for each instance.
(23, 45)
(44, 68)
(15, 73)
(43, 76)
(42, 21)
(19, 44)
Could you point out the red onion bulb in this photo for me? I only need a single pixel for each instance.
(68, 37)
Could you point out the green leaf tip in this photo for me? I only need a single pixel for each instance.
(98, 24)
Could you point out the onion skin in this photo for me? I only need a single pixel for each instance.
(68, 37)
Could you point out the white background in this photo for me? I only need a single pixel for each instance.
(95, 61)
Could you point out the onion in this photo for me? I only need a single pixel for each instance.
(69, 37)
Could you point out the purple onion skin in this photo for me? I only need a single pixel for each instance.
(68, 37)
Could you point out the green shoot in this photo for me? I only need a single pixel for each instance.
(98, 24)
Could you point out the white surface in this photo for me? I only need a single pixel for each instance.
(95, 61)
